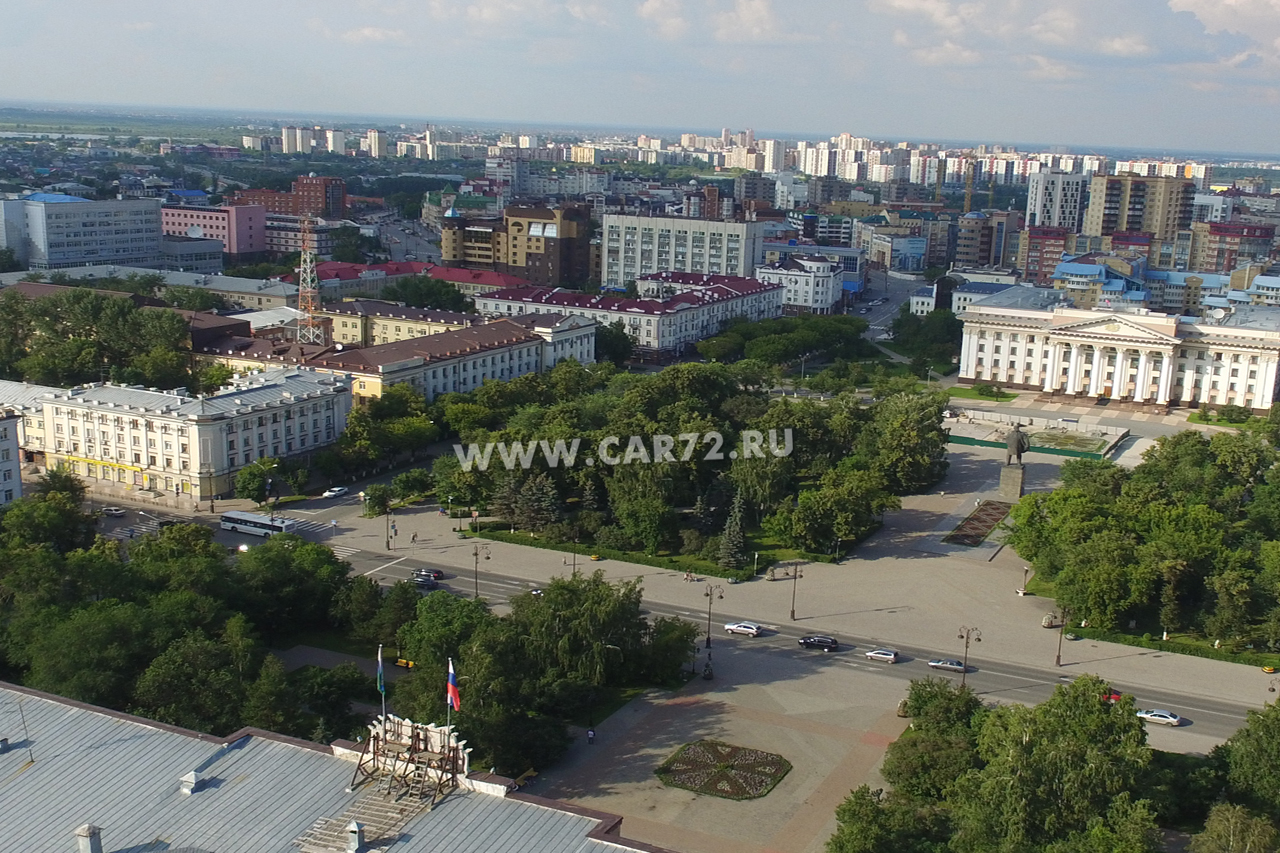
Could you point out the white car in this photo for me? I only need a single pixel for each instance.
(751, 629)
(883, 655)
(949, 664)
(1164, 718)
(335, 492)
(113, 512)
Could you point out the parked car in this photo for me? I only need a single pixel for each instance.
(335, 492)
(819, 641)
(1164, 718)
(882, 655)
(114, 512)
(751, 629)
(949, 664)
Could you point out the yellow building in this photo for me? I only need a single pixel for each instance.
(545, 246)
(1160, 206)
(365, 322)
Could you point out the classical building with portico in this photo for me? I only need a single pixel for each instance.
(1029, 338)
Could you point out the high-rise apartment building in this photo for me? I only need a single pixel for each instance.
(639, 245)
(542, 245)
(378, 143)
(1040, 250)
(48, 231)
(335, 141)
(1155, 205)
(1055, 199)
(775, 154)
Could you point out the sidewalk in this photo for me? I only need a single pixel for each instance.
(894, 588)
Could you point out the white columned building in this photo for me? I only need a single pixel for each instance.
(1026, 338)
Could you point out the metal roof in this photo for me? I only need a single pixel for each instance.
(71, 764)
(52, 198)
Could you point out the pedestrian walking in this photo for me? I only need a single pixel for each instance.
(591, 736)
(413, 540)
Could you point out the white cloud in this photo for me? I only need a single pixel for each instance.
(941, 13)
(1056, 26)
(1131, 45)
(364, 35)
(948, 53)
(666, 17)
(1050, 70)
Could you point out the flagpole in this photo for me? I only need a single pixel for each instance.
(382, 688)
(448, 703)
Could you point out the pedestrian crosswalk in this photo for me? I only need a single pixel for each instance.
(343, 551)
(140, 527)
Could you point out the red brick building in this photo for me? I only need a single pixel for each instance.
(311, 195)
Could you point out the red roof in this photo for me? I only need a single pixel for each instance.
(732, 287)
(487, 278)
(330, 270)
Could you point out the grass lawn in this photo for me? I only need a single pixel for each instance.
(1254, 423)
(335, 641)
(286, 500)
(945, 368)
(1066, 440)
(971, 394)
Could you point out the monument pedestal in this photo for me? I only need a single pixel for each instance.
(1012, 478)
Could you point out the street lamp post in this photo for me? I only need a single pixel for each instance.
(967, 634)
(450, 509)
(1274, 682)
(477, 551)
(795, 580)
(575, 557)
(391, 528)
(1061, 628)
(712, 592)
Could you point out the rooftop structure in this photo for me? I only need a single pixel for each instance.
(82, 777)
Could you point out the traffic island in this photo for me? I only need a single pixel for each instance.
(723, 770)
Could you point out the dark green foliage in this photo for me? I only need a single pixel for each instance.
(421, 291)
(733, 543)
(613, 344)
(1252, 758)
(934, 337)
(1184, 541)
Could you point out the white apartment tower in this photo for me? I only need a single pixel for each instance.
(377, 143)
(1056, 199)
(635, 246)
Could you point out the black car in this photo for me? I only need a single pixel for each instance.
(819, 641)
(425, 581)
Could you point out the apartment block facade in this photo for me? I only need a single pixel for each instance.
(636, 246)
(242, 228)
(547, 246)
(48, 231)
(1159, 206)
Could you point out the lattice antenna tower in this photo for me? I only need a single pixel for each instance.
(310, 327)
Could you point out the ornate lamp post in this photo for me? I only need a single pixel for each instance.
(478, 551)
(1061, 628)
(714, 591)
(967, 634)
(795, 580)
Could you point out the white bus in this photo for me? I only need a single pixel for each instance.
(257, 525)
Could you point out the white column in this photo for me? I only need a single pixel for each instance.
(1053, 372)
(1073, 369)
(1266, 393)
(1166, 377)
(1142, 383)
(968, 346)
(1095, 372)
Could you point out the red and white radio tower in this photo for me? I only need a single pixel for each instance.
(311, 328)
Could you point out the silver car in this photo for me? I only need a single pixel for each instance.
(949, 664)
(1164, 718)
(751, 629)
(883, 655)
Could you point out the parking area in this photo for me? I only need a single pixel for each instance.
(830, 715)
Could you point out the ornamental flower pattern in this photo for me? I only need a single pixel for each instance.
(723, 770)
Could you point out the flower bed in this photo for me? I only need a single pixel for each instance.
(723, 770)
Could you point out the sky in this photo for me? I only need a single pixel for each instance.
(1157, 74)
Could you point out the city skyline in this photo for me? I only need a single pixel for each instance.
(917, 69)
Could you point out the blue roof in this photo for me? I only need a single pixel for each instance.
(986, 287)
(1079, 269)
(189, 193)
(1135, 295)
(923, 291)
(52, 198)
(1113, 285)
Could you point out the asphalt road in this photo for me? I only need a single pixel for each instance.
(996, 681)
(418, 242)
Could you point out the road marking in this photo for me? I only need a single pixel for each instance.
(307, 511)
(387, 566)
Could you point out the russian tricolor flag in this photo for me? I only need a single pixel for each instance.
(451, 690)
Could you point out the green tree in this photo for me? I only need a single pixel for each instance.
(1048, 771)
(733, 543)
(193, 298)
(9, 261)
(271, 703)
(54, 520)
(1253, 761)
(538, 504)
(875, 822)
(251, 480)
(1233, 829)
(613, 344)
(356, 607)
(192, 684)
(60, 480)
(413, 483)
(424, 292)
(907, 442)
(399, 608)
(377, 499)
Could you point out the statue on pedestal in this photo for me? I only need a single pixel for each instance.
(1017, 444)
